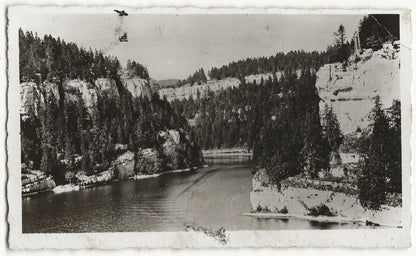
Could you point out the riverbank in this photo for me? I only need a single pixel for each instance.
(324, 219)
(313, 203)
(148, 176)
(227, 152)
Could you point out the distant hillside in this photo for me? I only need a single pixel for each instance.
(249, 70)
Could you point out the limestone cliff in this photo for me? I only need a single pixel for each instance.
(33, 95)
(186, 91)
(350, 89)
(136, 86)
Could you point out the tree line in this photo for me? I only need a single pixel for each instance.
(136, 69)
(54, 59)
(291, 61)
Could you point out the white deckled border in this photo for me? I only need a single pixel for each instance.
(284, 238)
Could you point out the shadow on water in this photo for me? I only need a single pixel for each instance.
(227, 159)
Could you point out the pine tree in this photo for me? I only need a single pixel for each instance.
(340, 36)
(314, 152)
(375, 162)
(395, 151)
(332, 133)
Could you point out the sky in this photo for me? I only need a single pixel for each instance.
(175, 46)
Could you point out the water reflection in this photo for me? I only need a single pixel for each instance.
(227, 159)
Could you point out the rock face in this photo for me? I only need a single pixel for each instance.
(107, 86)
(136, 86)
(124, 165)
(29, 98)
(266, 76)
(33, 95)
(350, 90)
(80, 90)
(150, 161)
(186, 91)
(298, 202)
(171, 147)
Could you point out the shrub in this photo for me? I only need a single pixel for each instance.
(283, 211)
(320, 210)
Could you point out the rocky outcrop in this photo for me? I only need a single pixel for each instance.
(107, 86)
(350, 89)
(303, 202)
(171, 147)
(149, 161)
(29, 99)
(124, 164)
(32, 96)
(186, 91)
(80, 90)
(258, 77)
(136, 86)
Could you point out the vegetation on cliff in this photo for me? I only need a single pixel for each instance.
(61, 135)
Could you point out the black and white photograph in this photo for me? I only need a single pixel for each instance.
(221, 126)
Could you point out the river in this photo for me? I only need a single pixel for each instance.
(211, 197)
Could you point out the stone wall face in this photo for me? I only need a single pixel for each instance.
(351, 89)
(298, 202)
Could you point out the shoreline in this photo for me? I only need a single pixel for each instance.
(327, 219)
(71, 187)
(226, 152)
(148, 176)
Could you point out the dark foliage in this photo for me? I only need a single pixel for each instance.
(332, 132)
(375, 29)
(136, 69)
(381, 157)
(320, 210)
(56, 60)
(341, 49)
(196, 78)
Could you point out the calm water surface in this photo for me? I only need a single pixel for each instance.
(212, 197)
